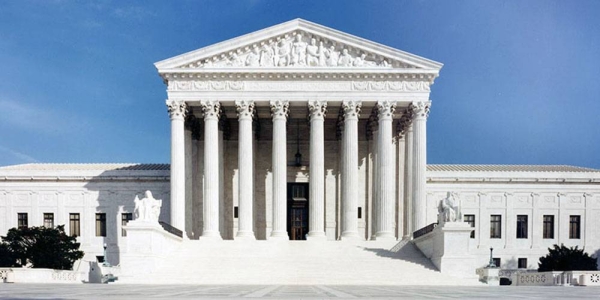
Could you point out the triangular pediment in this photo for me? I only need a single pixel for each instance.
(297, 44)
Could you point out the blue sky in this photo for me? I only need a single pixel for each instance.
(519, 83)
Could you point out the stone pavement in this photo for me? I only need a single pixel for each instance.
(98, 291)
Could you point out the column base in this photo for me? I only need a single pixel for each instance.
(279, 236)
(351, 236)
(384, 236)
(316, 236)
(211, 235)
(245, 235)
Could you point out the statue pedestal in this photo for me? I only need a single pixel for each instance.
(491, 276)
(448, 248)
(148, 244)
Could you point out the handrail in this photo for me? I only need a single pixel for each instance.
(425, 230)
(170, 229)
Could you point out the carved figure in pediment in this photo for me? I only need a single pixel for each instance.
(298, 51)
(385, 63)
(266, 56)
(283, 53)
(332, 57)
(236, 61)
(253, 58)
(208, 63)
(346, 59)
(314, 54)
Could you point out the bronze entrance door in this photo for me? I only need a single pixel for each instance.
(297, 216)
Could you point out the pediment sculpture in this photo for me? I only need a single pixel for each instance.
(147, 209)
(448, 210)
(295, 50)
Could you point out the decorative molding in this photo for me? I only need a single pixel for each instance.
(351, 108)
(283, 84)
(245, 109)
(420, 109)
(385, 109)
(211, 109)
(317, 108)
(279, 108)
(296, 49)
(176, 109)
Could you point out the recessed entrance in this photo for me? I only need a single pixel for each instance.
(297, 215)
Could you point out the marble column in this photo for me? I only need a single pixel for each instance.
(316, 194)
(245, 111)
(279, 112)
(349, 168)
(420, 111)
(211, 111)
(177, 112)
(385, 172)
(408, 168)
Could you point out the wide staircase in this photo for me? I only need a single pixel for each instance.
(299, 262)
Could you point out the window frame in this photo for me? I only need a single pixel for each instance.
(548, 227)
(522, 263)
(101, 224)
(74, 224)
(522, 227)
(467, 218)
(495, 231)
(22, 220)
(48, 218)
(125, 218)
(575, 227)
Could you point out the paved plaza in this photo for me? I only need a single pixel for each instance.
(116, 291)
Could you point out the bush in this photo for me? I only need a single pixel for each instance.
(563, 258)
(42, 247)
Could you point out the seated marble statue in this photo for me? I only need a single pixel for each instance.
(147, 209)
(448, 210)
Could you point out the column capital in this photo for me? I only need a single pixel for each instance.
(279, 109)
(385, 109)
(404, 123)
(211, 109)
(245, 109)
(351, 109)
(317, 109)
(176, 109)
(420, 109)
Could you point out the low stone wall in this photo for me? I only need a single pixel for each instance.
(587, 278)
(29, 275)
(542, 279)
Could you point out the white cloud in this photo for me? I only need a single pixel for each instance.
(18, 155)
(34, 118)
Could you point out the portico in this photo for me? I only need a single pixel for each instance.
(298, 102)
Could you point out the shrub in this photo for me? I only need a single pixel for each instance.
(41, 247)
(561, 258)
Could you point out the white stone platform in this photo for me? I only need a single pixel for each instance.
(298, 263)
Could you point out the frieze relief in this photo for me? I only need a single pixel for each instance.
(296, 49)
(393, 86)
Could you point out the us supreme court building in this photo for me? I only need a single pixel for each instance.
(303, 132)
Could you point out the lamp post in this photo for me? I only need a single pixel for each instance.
(491, 264)
(105, 263)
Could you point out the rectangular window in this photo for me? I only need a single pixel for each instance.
(360, 212)
(100, 224)
(23, 221)
(521, 226)
(471, 220)
(522, 263)
(495, 226)
(125, 217)
(574, 227)
(496, 261)
(74, 224)
(48, 220)
(236, 212)
(548, 226)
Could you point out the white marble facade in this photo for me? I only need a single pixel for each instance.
(356, 111)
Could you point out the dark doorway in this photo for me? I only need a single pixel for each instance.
(297, 216)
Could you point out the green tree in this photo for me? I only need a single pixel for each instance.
(561, 258)
(43, 247)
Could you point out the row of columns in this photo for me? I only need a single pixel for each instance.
(415, 162)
